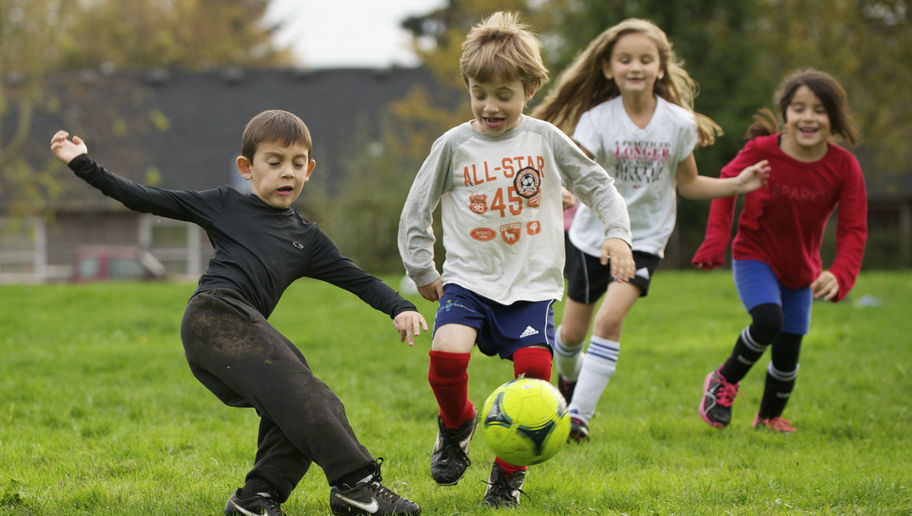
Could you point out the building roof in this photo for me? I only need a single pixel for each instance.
(182, 129)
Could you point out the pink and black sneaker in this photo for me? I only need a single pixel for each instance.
(718, 396)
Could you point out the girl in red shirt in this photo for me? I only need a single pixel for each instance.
(776, 252)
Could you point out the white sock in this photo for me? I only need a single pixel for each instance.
(568, 360)
(598, 366)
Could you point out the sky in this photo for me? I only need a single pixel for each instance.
(347, 33)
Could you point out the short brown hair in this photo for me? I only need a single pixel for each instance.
(274, 125)
(500, 47)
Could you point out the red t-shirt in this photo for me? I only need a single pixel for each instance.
(782, 224)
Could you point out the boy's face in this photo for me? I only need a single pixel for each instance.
(277, 173)
(497, 105)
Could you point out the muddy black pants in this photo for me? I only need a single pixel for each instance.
(243, 360)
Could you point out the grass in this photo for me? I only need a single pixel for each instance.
(99, 413)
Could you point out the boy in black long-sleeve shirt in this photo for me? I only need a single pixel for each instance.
(261, 246)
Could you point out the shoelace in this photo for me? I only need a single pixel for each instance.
(452, 448)
(380, 491)
(726, 393)
(502, 489)
(778, 424)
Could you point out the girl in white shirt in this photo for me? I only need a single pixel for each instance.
(628, 102)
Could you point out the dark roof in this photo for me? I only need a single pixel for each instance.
(182, 129)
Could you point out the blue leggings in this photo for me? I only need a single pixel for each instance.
(757, 284)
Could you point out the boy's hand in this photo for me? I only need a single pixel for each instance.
(622, 266)
(65, 149)
(409, 325)
(432, 291)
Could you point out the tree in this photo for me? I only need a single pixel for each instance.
(43, 36)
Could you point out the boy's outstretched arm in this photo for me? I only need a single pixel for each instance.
(66, 149)
(409, 324)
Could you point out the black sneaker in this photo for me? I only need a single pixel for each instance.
(369, 497)
(718, 396)
(579, 431)
(503, 489)
(566, 387)
(260, 504)
(450, 458)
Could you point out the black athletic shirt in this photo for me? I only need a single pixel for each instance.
(259, 250)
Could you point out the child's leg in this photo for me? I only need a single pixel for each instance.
(761, 293)
(780, 375)
(246, 362)
(568, 341)
(448, 372)
(533, 362)
(587, 280)
(449, 379)
(601, 357)
(766, 322)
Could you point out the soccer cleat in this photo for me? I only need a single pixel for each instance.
(450, 458)
(369, 497)
(718, 396)
(503, 489)
(579, 431)
(260, 504)
(774, 424)
(566, 387)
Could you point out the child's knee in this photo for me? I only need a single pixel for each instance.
(533, 362)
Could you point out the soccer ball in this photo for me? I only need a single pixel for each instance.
(526, 421)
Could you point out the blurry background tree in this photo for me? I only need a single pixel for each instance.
(38, 37)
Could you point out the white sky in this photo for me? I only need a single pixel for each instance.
(347, 33)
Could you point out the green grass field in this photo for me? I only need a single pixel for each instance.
(99, 413)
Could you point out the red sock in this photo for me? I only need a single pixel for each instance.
(534, 362)
(508, 468)
(448, 375)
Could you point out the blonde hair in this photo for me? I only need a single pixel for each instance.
(583, 86)
(500, 47)
(826, 88)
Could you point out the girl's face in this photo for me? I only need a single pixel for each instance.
(497, 105)
(807, 125)
(634, 65)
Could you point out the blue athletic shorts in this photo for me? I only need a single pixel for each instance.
(757, 284)
(502, 329)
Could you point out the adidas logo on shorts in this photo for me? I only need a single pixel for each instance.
(528, 332)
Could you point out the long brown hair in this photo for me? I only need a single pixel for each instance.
(826, 88)
(583, 86)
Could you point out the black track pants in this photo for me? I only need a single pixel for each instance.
(242, 359)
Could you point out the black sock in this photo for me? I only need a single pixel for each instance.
(776, 393)
(780, 375)
(746, 352)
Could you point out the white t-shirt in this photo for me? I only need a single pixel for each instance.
(643, 163)
(501, 210)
